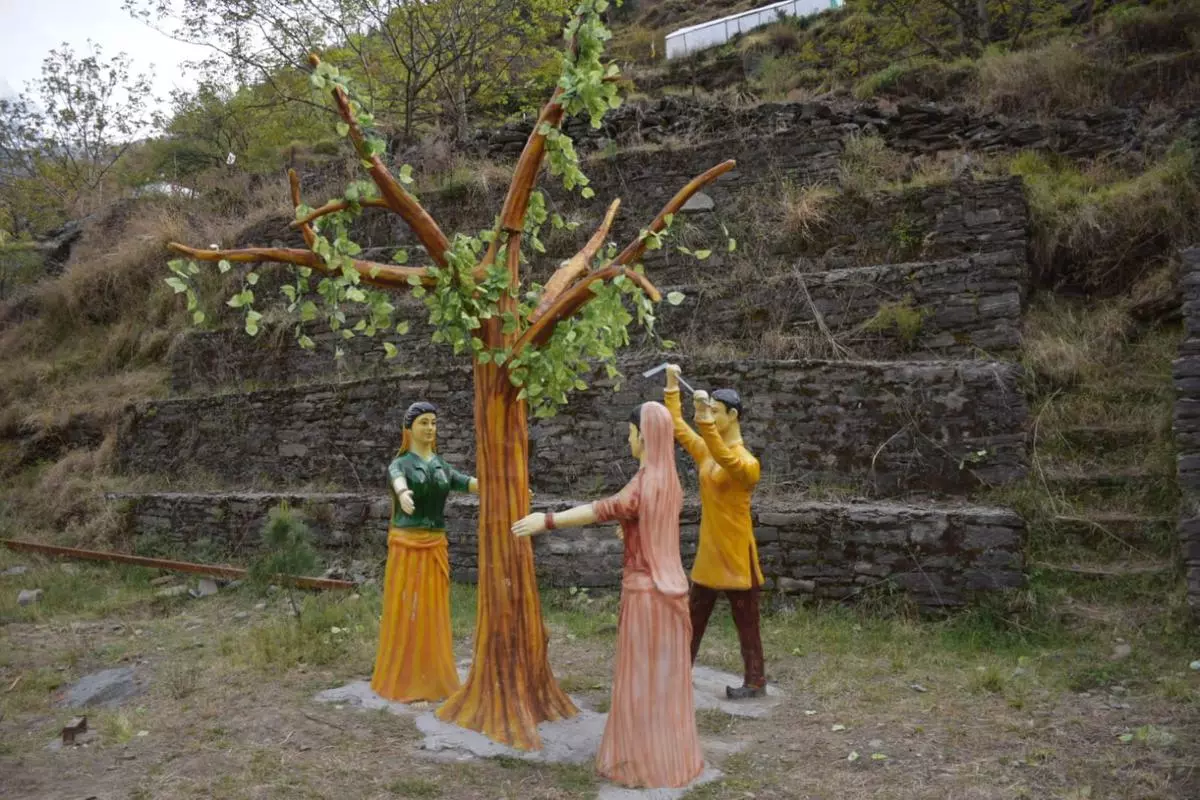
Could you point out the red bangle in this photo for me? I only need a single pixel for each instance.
(549, 520)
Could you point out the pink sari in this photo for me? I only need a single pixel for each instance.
(651, 739)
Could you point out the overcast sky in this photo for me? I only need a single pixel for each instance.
(30, 29)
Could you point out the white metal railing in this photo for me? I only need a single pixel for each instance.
(719, 31)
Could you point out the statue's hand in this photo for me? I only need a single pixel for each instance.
(673, 373)
(703, 406)
(530, 525)
(406, 502)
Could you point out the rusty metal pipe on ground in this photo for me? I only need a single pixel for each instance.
(161, 563)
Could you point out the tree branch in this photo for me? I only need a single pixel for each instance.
(577, 266)
(334, 207)
(385, 276)
(398, 200)
(634, 250)
(516, 202)
(578, 295)
(310, 236)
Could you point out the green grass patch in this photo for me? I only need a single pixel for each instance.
(415, 787)
(1104, 228)
(331, 628)
(84, 591)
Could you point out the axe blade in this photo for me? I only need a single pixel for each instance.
(650, 373)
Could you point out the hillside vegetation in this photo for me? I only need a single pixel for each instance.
(80, 339)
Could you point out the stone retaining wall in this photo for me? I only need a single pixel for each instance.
(887, 427)
(960, 306)
(939, 309)
(912, 127)
(1187, 425)
(938, 556)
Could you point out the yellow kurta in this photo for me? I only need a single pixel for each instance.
(727, 555)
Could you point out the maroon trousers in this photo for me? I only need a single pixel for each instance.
(744, 603)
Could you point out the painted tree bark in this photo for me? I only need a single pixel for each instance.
(511, 687)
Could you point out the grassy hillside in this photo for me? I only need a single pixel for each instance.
(75, 348)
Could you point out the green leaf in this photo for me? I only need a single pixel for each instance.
(236, 301)
(588, 192)
(390, 349)
(224, 266)
(252, 318)
(702, 254)
(343, 129)
(252, 278)
(308, 311)
(306, 343)
(732, 244)
(401, 257)
(289, 291)
(406, 174)
(197, 317)
(402, 327)
(177, 284)
(675, 298)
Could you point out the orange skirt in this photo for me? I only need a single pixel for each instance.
(650, 739)
(415, 660)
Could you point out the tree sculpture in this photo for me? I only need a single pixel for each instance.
(529, 349)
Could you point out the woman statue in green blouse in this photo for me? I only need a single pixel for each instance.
(415, 660)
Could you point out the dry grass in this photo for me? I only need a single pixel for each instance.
(1067, 344)
(97, 342)
(867, 165)
(805, 208)
(1101, 404)
(1058, 77)
(476, 179)
(1103, 228)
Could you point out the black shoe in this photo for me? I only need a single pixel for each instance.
(745, 692)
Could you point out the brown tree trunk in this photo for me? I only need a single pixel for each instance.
(511, 688)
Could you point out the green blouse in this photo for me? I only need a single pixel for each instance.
(431, 482)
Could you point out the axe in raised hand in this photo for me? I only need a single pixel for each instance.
(650, 373)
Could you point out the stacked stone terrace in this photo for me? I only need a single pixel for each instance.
(908, 424)
(1187, 426)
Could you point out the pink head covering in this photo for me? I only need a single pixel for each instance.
(661, 501)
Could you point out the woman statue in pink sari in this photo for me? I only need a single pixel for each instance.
(650, 739)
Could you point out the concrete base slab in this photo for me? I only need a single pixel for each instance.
(571, 741)
(709, 685)
(567, 741)
(611, 792)
(358, 694)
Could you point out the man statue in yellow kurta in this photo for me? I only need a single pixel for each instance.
(727, 556)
